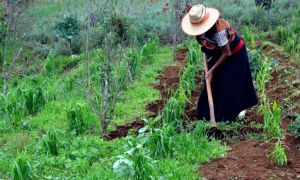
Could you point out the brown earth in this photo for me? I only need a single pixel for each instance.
(248, 160)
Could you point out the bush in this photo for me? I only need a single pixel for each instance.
(68, 28)
(294, 127)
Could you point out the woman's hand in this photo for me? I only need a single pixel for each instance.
(209, 75)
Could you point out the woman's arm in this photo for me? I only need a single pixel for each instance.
(225, 53)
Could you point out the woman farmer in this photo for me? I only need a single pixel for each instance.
(226, 55)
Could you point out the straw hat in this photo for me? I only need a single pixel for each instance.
(199, 20)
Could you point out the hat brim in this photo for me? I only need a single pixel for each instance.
(202, 27)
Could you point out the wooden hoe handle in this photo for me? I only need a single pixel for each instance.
(210, 98)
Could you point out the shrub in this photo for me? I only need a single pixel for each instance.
(68, 28)
(294, 127)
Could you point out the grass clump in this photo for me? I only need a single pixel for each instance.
(22, 169)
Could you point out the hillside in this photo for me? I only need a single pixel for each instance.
(109, 90)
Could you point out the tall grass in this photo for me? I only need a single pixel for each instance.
(24, 101)
(76, 117)
(50, 143)
(22, 169)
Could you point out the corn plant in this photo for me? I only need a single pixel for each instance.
(263, 75)
(22, 169)
(148, 50)
(194, 56)
(187, 81)
(278, 155)
(76, 118)
(272, 120)
(50, 143)
(173, 113)
(161, 142)
(249, 36)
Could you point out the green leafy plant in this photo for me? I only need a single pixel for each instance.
(50, 143)
(161, 142)
(173, 113)
(22, 169)
(136, 163)
(272, 120)
(263, 75)
(24, 101)
(294, 127)
(68, 28)
(249, 36)
(148, 50)
(75, 116)
(278, 155)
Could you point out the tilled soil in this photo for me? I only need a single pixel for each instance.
(248, 160)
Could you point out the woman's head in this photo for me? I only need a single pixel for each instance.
(199, 20)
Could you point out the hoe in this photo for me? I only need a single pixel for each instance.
(213, 131)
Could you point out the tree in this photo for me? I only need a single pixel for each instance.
(68, 28)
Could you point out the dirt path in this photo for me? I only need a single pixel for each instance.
(167, 82)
